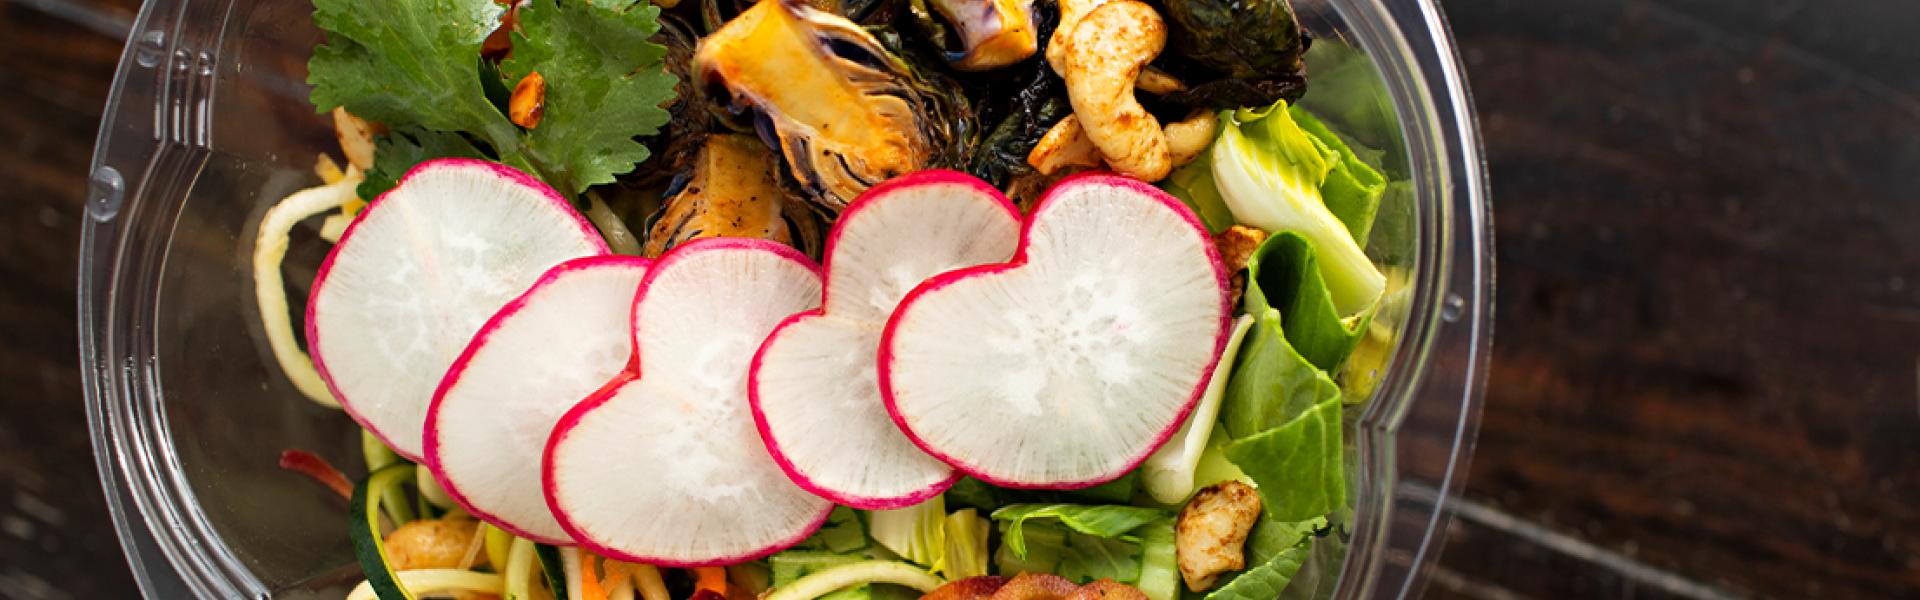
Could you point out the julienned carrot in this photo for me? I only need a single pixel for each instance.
(710, 579)
(306, 463)
(590, 588)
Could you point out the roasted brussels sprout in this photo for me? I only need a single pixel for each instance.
(1243, 39)
(988, 34)
(1241, 52)
(843, 111)
(732, 189)
(689, 117)
(715, 13)
(1034, 106)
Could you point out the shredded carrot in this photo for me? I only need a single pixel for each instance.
(306, 463)
(590, 588)
(710, 579)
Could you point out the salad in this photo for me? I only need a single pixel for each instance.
(848, 299)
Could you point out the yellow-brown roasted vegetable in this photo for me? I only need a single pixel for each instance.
(734, 191)
(843, 111)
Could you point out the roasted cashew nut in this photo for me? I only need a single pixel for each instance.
(1064, 146)
(1187, 138)
(1071, 11)
(1107, 49)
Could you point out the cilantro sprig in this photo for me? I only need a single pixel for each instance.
(415, 65)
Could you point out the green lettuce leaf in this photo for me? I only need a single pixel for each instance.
(1159, 561)
(1092, 558)
(973, 493)
(1271, 383)
(1192, 183)
(1297, 466)
(1352, 188)
(1265, 581)
(1284, 275)
(842, 533)
(1144, 558)
(1101, 520)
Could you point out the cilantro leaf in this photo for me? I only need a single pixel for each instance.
(605, 85)
(413, 65)
(398, 151)
(406, 63)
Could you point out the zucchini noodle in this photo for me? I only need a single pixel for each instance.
(825, 581)
(519, 570)
(619, 238)
(423, 582)
(269, 249)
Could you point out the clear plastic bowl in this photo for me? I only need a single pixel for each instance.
(208, 124)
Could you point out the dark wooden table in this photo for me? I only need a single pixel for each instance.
(1704, 377)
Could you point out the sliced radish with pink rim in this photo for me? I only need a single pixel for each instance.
(663, 466)
(539, 356)
(417, 274)
(815, 397)
(1069, 365)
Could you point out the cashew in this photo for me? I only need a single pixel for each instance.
(1071, 11)
(1108, 47)
(1064, 146)
(1186, 139)
(356, 138)
(1211, 530)
(1152, 80)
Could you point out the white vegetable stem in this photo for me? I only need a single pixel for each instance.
(269, 249)
(1275, 198)
(1169, 471)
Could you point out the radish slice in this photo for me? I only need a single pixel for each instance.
(813, 384)
(1069, 365)
(664, 467)
(536, 358)
(418, 273)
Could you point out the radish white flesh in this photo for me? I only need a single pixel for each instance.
(1069, 365)
(813, 384)
(664, 467)
(412, 280)
(541, 354)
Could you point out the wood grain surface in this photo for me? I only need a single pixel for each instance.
(1708, 320)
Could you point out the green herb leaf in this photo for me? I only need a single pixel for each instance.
(605, 86)
(400, 150)
(412, 65)
(406, 63)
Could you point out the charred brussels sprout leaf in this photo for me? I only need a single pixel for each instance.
(843, 112)
(1244, 39)
(1034, 108)
(1235, 53)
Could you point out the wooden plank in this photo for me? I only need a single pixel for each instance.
(59, 542)
(1707, 318)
